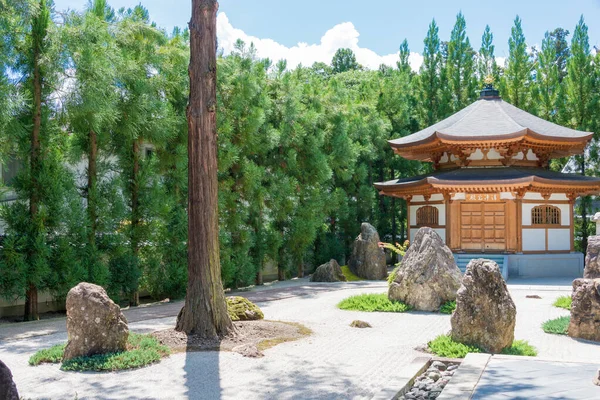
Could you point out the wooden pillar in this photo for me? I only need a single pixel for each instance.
(447, 201)
(408, 198)
(572, 197)
(519, 202)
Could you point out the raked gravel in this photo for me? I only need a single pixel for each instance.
(337, 361)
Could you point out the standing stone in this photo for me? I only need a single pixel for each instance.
(592, 261)
(585, 310)
(328, 272)
(8, 389)
(428, 276)
(485, 313)
(368, 260)
(95, 324)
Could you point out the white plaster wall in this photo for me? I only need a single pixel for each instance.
(534, 239)
(533, 196)
(565, 213)
(476, 155)
(559, 239)
(493, 155)
(444, 158)
(531, 156)
(439, 231)
(507, 196)
(459, 196)
(441, 213)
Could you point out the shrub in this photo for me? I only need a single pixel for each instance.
(392, 276)
(141, 350)
(372, 302)
(448, 307)
(444, 346)
(563, 302)
(350, 277)
(557, 326)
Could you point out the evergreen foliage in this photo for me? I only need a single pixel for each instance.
(299, 147)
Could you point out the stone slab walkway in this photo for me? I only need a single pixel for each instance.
(486, 377)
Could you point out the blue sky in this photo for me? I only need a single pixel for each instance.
(373, 29)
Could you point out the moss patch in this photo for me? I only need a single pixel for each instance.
(141, 350)
(372, 302)
(448, 307)
(350, 277)
(557, 326)
(241, 309)
(563, 302)
(444, 346)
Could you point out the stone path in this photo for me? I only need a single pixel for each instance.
(335, 362)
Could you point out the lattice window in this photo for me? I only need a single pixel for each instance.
(427, 216)
(545, 215)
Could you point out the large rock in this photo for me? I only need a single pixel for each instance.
(95, 324)
(368, 260)
(241, 309)
(485, 313)
(585, 310)
(328, 272)
(428, 276)
(592, 261)
(8, 389)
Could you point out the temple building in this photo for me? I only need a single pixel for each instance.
(491, 190)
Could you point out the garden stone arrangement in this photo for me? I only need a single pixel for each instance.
(485, 314)
(328, 272)
(592, 262)
(367, 259)
(428, 276)
(585, 310)
(8, 389)
(430, 383)
(95, 324)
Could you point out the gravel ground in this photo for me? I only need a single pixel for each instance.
(337, 361)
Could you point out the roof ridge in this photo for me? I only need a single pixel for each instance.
(508, 116)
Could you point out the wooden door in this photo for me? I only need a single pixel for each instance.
(483, 226)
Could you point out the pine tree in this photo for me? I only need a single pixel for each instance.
(580, 102)
(429, 78)
(403, 63)
(344, 60)
(517, 76)
(486, 62)
(547, 79)
(460, 66)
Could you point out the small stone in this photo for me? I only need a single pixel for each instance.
(241, 309)
(442, 383)
(434, 375)
(410, 396)
(440, 366)
(452, 367)
(596, 379)
(533, 296)
(360, 324)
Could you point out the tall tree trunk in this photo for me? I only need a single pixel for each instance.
(134, 298)
(205, 311)
(393, 212)
(280, 266)
(301, 268)
(584, 222)
(31, 303)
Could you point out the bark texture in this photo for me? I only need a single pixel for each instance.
(205, 311)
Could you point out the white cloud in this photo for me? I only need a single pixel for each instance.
(342, 35)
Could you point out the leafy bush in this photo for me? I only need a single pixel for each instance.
(444, 346)
(372, 302)
(520, 348)
(350, 277)
(141, 350)
(448, 307)
(558, 326)
(563, 302)
(392, 276)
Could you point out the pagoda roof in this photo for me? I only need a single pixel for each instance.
(489, 179)
(491, 119)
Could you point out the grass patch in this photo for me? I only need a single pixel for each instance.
(350, 277)
(448, 307)
(563, 302)
(520, 348)
(444, 346)
(52, 355)
(141, 350)
(557, 326)
(372, 302)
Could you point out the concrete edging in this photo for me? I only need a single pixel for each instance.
(463, 383)
(405, 379)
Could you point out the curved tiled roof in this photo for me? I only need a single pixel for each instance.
(491, 119)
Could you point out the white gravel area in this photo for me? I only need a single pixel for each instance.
(336, 362)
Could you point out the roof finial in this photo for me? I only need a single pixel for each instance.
(488, 91)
